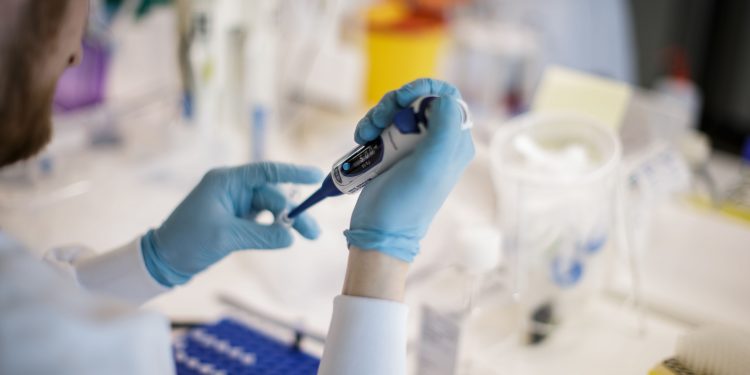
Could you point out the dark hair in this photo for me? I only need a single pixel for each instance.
(25, 100)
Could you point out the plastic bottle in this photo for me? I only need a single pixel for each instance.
(737, 202)
(458, 317)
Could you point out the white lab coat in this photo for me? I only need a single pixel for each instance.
(48, 325)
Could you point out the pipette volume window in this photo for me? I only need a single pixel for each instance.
(364, 158)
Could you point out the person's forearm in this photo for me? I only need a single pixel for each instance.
(373, 274)
(368, 327)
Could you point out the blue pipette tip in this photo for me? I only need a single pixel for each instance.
(327, 189)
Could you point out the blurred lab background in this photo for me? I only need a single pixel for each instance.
(605, 219)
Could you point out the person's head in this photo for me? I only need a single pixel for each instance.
(39, 39)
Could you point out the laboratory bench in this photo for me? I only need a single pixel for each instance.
(697, 264)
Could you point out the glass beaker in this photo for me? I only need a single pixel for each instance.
(555, 176)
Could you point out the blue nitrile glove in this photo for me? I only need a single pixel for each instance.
(394, 210)
(218, 217)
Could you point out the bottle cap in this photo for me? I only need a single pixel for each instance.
(746, 150)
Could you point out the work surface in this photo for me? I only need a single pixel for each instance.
(114, 199)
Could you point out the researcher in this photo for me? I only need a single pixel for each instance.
(75, 312)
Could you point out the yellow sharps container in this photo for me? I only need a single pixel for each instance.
(402, 45)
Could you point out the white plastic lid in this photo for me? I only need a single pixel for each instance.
(523, 148)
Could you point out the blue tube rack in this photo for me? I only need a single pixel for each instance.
(230, 347)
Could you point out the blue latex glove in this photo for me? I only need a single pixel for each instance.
(218, 217)
(395, 210)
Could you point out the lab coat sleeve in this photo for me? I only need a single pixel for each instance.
(367, 337)
(120, 273)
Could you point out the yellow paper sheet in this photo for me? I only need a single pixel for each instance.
(568, 90)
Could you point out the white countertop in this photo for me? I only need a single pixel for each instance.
(118, 196)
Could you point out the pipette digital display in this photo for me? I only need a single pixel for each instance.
(360, 165)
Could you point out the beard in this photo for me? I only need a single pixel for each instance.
(25, 120)
(25, 96)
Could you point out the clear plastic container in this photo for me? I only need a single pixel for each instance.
(466, 314)
(555, 176)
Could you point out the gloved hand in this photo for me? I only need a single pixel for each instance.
(218, 217)
(394, 210)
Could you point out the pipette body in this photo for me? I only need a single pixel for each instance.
(363, 163)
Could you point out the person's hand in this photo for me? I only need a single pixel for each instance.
(218, 217)
(394, 210)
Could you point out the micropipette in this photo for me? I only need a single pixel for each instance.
(359, 166)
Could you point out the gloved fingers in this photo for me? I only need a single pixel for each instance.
(461, 158)
(268, 197)
(306, 226)
(444, 134)
(376, 119)
(423, 87)
(380, 116)
(272, 173)
(271, 198)
(251, 235)
(466, 150)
